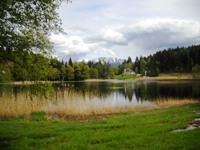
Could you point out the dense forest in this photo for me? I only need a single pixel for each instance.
(181, 60)
(30, 66)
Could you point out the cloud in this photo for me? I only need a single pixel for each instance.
(70, 45)
(76, 48)
(147, 36)
(107, 37)
(126, 28)
(162, 33)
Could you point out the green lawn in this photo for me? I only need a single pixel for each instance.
(139, 130)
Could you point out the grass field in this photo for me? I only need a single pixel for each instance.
(134, 130)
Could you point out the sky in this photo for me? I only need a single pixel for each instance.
(123, 28)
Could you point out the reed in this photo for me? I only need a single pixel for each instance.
(75, 107)
(21, 105)
(166, 103)
(84, 110)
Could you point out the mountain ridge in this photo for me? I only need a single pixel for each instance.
(113, 61)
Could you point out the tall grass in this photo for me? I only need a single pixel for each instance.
(72, 105)
(11, 106)
(85, 110)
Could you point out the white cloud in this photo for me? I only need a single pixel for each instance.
(107, 37)
(112, 36)
(70, 45)
(162, 33)
(126, 28)
(147, 36)
(75, 47)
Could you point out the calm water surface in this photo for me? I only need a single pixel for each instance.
(80, 96)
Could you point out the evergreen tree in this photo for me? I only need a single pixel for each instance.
(142, 66)
(70, 62)
(69, 72)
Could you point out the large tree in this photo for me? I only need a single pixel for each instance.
(26, 26)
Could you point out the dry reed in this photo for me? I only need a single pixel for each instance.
(22, 105)
(75, 108)
(87, 110)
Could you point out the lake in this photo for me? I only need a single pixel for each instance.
(81, 97)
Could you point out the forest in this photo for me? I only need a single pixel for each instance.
(177, 60)
(29, 66)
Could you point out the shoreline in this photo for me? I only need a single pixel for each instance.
(162, 76)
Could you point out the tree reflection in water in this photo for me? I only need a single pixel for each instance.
(70, 95)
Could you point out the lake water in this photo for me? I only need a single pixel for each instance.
(80, 97)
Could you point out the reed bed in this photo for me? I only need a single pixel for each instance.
(166, 103)
(61, 107)
(21, 105)
(85, 110)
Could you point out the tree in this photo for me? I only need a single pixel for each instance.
(63, 71)
(85, 70)
(142, 65)
(69, 72)
(136, 65)
(94, 73)
(104, 70)
(5, 74)
(70, 62)
(153, 67)
(129, 60)
(196, 71)
(77, 72)
(54, 74)
(115, 70)
(19, 73)
(125, 65)
(26, 26)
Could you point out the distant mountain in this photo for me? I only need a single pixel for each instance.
(113, 61)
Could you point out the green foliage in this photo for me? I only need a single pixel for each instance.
(85, 70)
(54, 74)
(125, 65)
(77, 72)
(5, 74)
(196, 71)
(94, 73)
(42, 89)
(25, 35)
(172, 60)
(178, 59)
(143, 65)
(26, 25)
(104, 70)
(115, 70)
(70, 62)
(69, 72)
(153, 67)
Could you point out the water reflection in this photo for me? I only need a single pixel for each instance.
(81, 96)
(137, 90)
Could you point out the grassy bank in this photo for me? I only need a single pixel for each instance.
(125, 76)
(134, 130)
(170, 76)
(162, 76)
